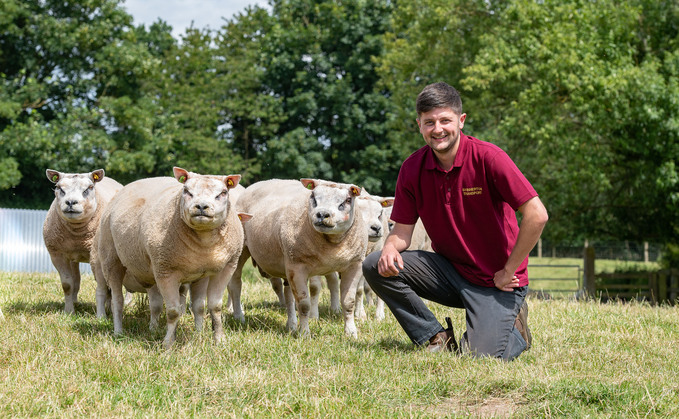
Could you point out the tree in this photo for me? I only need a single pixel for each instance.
(70, 90)
(580, 94)
(249, 115)
(318, 60)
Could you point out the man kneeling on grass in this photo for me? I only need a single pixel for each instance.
(466, 192)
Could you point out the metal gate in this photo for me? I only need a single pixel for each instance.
(22, 248)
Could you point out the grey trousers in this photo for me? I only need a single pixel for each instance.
(490, 312)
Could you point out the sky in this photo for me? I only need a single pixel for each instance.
(180, 13)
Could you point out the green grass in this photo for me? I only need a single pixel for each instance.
(564, 275)
(588, 359)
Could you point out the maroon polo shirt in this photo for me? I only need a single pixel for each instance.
(469, 211)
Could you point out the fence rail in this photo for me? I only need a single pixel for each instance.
(660, 286)
(22, 248)
(563, 280)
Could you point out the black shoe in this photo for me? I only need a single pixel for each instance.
(521, 324)
(444, 340)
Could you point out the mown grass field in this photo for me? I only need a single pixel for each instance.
(588, 359)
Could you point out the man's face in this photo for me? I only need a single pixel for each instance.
(440, 128)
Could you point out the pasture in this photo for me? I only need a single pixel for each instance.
(588, 359)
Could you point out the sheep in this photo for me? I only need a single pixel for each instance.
(375, 213)
(302, 229)
(167, 232)
(280, 286)
(71, 223)
(420, 241)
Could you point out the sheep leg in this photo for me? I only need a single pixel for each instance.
(198, 296)
(290, 308)
(168, 285)
(155, 305)
(315, 287)
(277, 285)
(348, 284)
(235, 286)
(67, 277)
(367, 291)
(298, 282)
(75, 268)
(359, 311)
(102, 293)
(334, 287)
(215, 296)
(114, 277)
(379, 309)
(183, 291)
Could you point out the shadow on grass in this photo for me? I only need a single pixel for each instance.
(45, 307)
(262, 316)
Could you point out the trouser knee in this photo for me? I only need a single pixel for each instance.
(370, 267)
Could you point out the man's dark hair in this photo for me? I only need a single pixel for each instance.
(438, 95)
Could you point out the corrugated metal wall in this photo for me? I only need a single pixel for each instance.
(22, 248)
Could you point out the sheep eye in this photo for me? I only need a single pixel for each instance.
(186, 191)
(313, 201)
(222, 194)
(87, 191)
(60, 191)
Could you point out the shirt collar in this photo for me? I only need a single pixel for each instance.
(430, 160)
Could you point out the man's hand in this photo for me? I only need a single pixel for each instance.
(505, 281)
(390, 262)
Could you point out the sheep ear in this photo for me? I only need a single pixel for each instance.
(355, 190)
(308, 183)
(387, 202)
(52, 175)
(180, 174)
(97, 175)
(231, 181)
(244, 217)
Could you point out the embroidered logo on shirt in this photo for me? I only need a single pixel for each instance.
(476, 190)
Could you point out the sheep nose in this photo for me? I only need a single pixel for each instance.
(201, 207)
(71, 203)
(322, 215)
(376, 228)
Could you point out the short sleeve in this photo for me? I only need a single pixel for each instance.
(405, 203)
(509, 181)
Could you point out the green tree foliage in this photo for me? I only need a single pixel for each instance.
(70, 87)
(581, 94)
(318, 57)
(249, 116)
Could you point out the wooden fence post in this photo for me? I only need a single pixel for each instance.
(588, 282)
(653, 287)
(646, 252)
(663, 281)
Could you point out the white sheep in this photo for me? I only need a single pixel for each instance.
(71, 223)
(170, 231)
(420, 241)
(376, 215)
(280, 286)
(301, 230)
